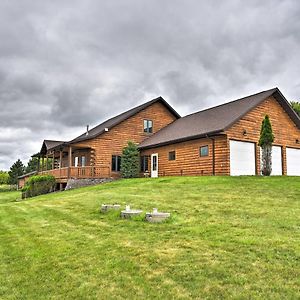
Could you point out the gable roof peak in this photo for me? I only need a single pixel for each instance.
(108, 124)
(215, 120)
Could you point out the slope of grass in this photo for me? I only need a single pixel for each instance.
(8, 194)
(227, 238)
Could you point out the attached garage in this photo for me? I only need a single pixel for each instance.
(242, 158)
(293, 161)
(276, 160)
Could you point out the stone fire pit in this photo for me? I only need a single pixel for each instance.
(156, 217)
(128, 212)
(107, 207)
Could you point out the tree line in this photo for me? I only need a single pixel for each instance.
(18, 169)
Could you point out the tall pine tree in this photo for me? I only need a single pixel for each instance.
(16, 170)
(130, 162)
(265, 142)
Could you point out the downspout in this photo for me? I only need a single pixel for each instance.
(214, 155)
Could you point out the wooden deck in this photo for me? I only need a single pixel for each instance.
(64, 174)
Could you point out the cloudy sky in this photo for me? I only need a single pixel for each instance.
(66, 64)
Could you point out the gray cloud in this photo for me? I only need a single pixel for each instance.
(65, 64)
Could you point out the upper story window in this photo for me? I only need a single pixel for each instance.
(148, 126)
(172, 155)
(204, 151)
(116, 163)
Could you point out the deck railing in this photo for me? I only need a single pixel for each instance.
(79, 172)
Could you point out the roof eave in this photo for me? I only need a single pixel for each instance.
(176, 141)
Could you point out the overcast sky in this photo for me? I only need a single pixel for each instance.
(66, 64)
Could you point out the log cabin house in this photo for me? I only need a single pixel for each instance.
(221, 140)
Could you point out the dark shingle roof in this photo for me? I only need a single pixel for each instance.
(120, 118)
(51, 144)
(214, 120)
(47, 145)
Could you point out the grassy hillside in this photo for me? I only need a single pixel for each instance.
(228, 238)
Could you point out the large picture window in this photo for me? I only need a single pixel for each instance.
(116, 163)
(148, 126)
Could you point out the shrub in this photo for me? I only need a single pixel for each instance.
(130, 163)
(265, 142)
(38, 185)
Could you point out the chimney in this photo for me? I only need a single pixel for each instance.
(87, 130)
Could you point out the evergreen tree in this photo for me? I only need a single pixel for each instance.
(265, 142)
(130, 163)
(16, 170)
(32, 165)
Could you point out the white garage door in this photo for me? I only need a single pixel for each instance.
(276, 160)
(293, 161)
(242, 158)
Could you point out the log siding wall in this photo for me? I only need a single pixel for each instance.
(188, 161)
(112, 142)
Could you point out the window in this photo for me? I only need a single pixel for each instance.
(154, 163)
(76, 161)
(204, 151)
(148, 126)
(144, 163)
(83, 161)
(172, 155)
(116, 163)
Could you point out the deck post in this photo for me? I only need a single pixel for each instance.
(46, 162)
(70, 162)
(60, 158)
(53, 159)
(38, 164)
(43, 162)
(60, 162)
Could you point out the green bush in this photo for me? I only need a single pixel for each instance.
(130, 161)
(38, 185)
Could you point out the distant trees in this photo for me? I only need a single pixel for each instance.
(265, 142)
(296, 106)
(32, 165)
(4, 177)
(130, 163)
(16, 170)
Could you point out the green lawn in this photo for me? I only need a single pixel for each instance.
(228, 238)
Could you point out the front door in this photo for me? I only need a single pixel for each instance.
(154, 165)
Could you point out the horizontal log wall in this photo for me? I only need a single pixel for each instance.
(188, 160)
(112, 142)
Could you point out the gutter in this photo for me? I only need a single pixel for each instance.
(195, 137)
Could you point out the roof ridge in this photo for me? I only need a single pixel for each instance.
(226, 103)
(113, 121)
(124, 112)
